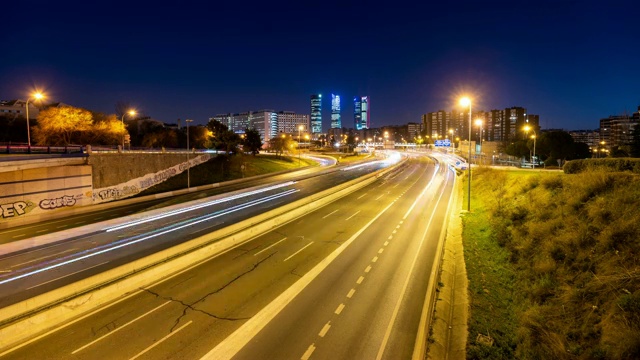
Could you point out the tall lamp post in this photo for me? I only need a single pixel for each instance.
(465, 101)
(132, 113)
(479, 124)
(528, 128)
(188, 157)
(300, 127)
(36, 96)
(451, 143)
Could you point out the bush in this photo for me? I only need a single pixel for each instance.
(616, 164)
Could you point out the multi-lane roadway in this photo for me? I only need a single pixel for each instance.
(345, 281)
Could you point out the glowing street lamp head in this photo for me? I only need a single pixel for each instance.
(527, 128)
(132, 112)
(300, 127)
(478, 122)
(465, 101)
(38, 95)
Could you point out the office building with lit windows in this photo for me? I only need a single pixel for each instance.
(361, 112)
(316, 114)
(336, 123)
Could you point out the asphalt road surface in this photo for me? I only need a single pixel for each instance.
(359, 266)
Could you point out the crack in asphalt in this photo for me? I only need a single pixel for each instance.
(192, 305)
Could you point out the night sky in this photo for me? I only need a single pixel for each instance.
(571, 62)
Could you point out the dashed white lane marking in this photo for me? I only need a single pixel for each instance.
(325, 329)
(60, 227)
(367, 269)
(394, 231)
(401, 221)
(39, 231)
(380, 251)
(351, 292)
(360, 280)
(361, 196)
(378, 198)
(329, 214)
(44, 257)
(119, 328)
(307, 354)
(270, 246)
(375, 258)
(396, 185)
(296, 253)
(390, 237)
(357, 212)
(386, 243)
(17, 236)
(161, 340)
(339, 309)
(80, 222)
(398, 227)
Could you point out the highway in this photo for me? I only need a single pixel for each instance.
(69, 256)
(346, 281)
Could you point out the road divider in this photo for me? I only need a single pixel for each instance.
(29, 320)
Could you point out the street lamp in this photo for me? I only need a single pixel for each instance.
(36, 96)
(465, 101)
(534, 136)
(300, 127)
(188, 157)
(479, 125)
(132, 113)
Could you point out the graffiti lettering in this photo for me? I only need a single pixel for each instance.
(13, 209)
(115, 193)
(157, 178)
(50, 204)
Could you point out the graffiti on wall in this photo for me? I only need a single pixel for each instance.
(116, 193)
(137, 185)
(15, 209)
(59, 202)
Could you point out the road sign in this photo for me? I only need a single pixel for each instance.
(442, 143)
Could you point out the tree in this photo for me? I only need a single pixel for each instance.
(222, 138)
(199, 137)
(61, 125)
(106, 130)
(252, 141)
(280, 144)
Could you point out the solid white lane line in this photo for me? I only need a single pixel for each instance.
(386, 243)
(326, 216)
(270, 246)
(161, 340)
(119, 328)
(325, 329)
(361, 196)
(62, 277)
(357, 212)
(360, 280)
(351, 292)
(339, 309)
(380, 251)
(368, 268)
(60, 227)
(39, 231)
(378, 198)
(307, 354)
(80, 222)
(44, 257)
(375, 258)
(296, 253)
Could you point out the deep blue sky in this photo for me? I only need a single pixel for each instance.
(571, 62)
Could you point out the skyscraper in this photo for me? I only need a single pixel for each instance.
(357, 113)
(316, 114)
(335, 112)
(366, 115)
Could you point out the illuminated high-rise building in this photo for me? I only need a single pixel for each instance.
(361, 112)
(316, 114)
(336, 123)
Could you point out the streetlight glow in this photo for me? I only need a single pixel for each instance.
(131, 113)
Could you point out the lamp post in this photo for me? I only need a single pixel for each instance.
(526, 129)
(465, 101)
(479, 124)
(188, 157)
(37, 96)
(300, 127)
(132, 113)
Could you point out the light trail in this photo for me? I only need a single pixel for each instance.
(134, 240)
(199, 206)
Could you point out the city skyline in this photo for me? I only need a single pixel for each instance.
(568, 71)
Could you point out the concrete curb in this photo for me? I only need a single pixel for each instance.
(24, 322)
(449, 325)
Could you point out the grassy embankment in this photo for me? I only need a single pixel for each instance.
(553, 262)
(225, 168)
